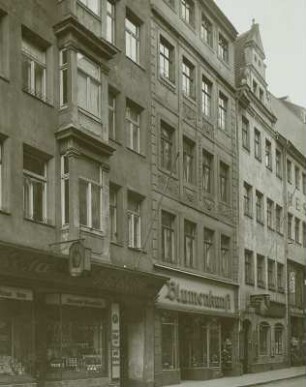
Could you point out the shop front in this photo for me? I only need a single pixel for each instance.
(196, 331)
(59, 330)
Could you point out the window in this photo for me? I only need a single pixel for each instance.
(207, 31)
(113, 213)
(63, 77)
(188, 160)
(1, 175)
(93, 5)
(223, 48)
(207, 171)
(270, 207)
(224, 182)
(261, 94)
(168, 247)
(90, 199)
(264, 338)
(189, 240)
(278, 164)
(289, 171)
(209, 251)
(271, 274)
(261, 271)
(280, 277)
(65, 189)
(278, 339)
(33, 69)
(187, 11)
(134, 222)
(278, 218)
(166, 63)
(187, 78)
(89, 85)
(222, 111)
(247, 199)
(132, 39)
(297, 230)
(268, 155)
(257, 144)
(167, 147)
(297, 177)
(225, 256)
(259, 207)
(34, 187)
(245, 127)
(255, 87)
(304, 183)
(110, 21)
(206, 97)
(132, 116)
(304, 234)
(249, 267)
(112, 114)
(290, 217)
(168, 341)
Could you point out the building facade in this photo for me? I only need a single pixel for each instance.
(194, 191)
(262, 215)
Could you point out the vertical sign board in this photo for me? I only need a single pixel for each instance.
(115, 341)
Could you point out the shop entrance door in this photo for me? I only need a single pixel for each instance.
(246, 339)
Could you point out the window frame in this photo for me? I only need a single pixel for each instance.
(206, 30)
(270, 211)
(190, 230)
(265, 328)
(134, 37)
(63, 79)
(225, 255)
(187, 12)
(289, 171)
(168, 229)
(206, 93)
(222, 111)
(133, 125)
(278, 339)
(247, 199)
(249, 267)
(167, 164)
(110, 21)
(245, 133)
(259, 207)
(209, 250)
(134, 219)
(278, 164)
(271, 274)
(166, 59)
(261, 283)
(223, 48)
(112, 97)
(188, 78)
(224, 171)
(86, 3)
(65, 189)
(268, 154)
(207, 172)
(113, 213)
(189, 160)
(257, 144)
(297, 177)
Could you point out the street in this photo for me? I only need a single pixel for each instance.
(296, 382)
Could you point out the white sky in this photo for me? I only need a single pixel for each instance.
(282, 26)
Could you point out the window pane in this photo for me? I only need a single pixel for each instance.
(82, 90)
(214, 346)
(33, 164)
(94, 98)
(26, 196)
(39, 80)
(95, 206)
(38, 193)
(83, 185)
(26, 73)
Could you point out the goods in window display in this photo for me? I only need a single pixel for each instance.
(11, 366)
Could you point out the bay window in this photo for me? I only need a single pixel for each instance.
(134, 221)
(63, 77)
(89, 85)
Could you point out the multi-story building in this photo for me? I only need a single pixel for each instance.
(292, 129)
(194, 190)
(262, 226)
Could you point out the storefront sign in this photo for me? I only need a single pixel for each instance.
(194, 294)
(115, 341)
(73, 300)
(16, 293)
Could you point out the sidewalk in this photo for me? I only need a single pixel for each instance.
(260, 378)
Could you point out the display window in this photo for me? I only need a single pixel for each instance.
(200, 343)
(169, 340)
(16, 341)
(75, 340)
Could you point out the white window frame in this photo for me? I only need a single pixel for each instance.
(110, 21)
(31, 177)
(134, 226)
(131, 36)
(113, 213)
(186, 11)
(133, 126)
(206, 97)
(165, 62)
(90, 79)
(89, 217)
(187, 78)
(63, 70)
(64, 179)
(34, 56)
(222, 111)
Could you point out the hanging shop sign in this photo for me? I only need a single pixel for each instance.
(196, 295)
(115, 340)
(74, 300)
(16, 293)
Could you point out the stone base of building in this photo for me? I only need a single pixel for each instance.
(254, 368)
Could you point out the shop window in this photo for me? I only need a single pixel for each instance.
(189, 241)
(16, 339)
(206, 97)
(257, 144)
(278, 339)
(249, 267)
(207, 171)
(34, 69)
(289, 171)
(271, 274)
(264, 338)
(168, 341)
(188, 73)
(34, 186)
(261, 271)
(110, 21)
(132, 39)
(93, 5)
(132, 117)
(63, 56)
(214, 345)
(259, 207)
(209, 251)
(207, 31)
(113, 212)
(168, 240)
(167, 147)
(222, 111)
(166, 59)
(112, 115)
(75, 337)
(65, 189)
(188, 160)
(134, 221)
(245, 133)
(89, 85)
(224, 182)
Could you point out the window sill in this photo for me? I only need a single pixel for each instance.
(281, 290)
(270, 228)
(116, 243)
(115, 141)
(269, 168)
(280, 177)
(92, 231)
(88, 10)
(191, 186)
(224, 62)
(248, 215)
(4, 211)
(167, 83)
(136, 63)
(209, 46)
(189, 25)
(261, 222)
(190, 99)
(44, 101)
(170, 174)
(137, 250)
(259, 159)
(135, 152)
(261, 285)
(4, 78)
(272, 288)
(246, 148)
(39, 222)
(249, 283)
(90, 115)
